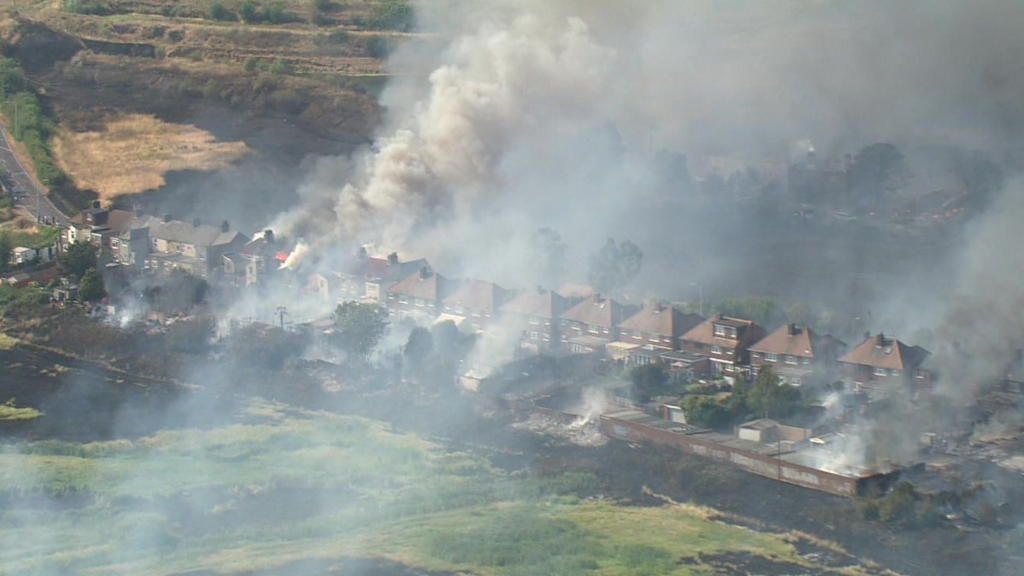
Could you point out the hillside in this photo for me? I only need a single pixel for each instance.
(232, 83)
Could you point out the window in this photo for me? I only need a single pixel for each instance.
(755, 354)
(805, 361)
(716, 349)
(419, 302)
(698, 346)
(533, 335)
(593, 328)
(880, 372)
(653, 337)
(894, 372)
(791, 360)
(534, 320)
(403, 300)
(719, 330)
(637, 335)
(547, 338)
(770, 357)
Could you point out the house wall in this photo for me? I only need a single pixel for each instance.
(653, 338)
(742, 459)
(400, 305)
(569, 329)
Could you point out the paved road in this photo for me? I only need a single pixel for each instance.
(25, 191)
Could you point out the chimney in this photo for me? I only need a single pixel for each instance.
(196, 222)
(393, 259)
(657, 307)
(224, 226)
(423, 273)
(362, 254)
(268, 235)
(717, 316)
(867, 335)
(791, 329)
(811, 157)
(167, 217)
(96, 204)
(880, 340)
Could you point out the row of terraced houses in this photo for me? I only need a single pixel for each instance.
(576, 320)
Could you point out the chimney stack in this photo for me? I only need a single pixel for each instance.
(96, 204)
(362, 254)
(657, 307)
(792, 329)
(167, 217)
(224, 226)
(268, 235)
(880, 340)
(393, 259)
(423, 273)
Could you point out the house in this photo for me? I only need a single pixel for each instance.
(796, 353)
(538, 311)
(592, 323)
(194, 248)
(723, 340)
(657, 327)
(255, 261)
(420, 295)
(881, 362)
(368, 278)
(380, 274)
(476, 301)
(100, 226)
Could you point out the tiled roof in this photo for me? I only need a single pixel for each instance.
(175, 231)
(704, 333)
(576, 291)
(661, 319)
(881, 352)
(537, 303)
(599, 311)
(479, 295)
(427, 285)
(791, 340)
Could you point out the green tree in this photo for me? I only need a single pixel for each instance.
(274, 13)
(801, 315)
(706, 411)
(280, 66)
(77, 259)
(322, 5)
(6, 250)
(898, 506)
(217, 11)
(391, 15)
(877, 169)
(359, 328)
(770, 398)
(761, 310)
(418, 347)
(90, 287)
(249, 65)
(248, 13)
(615, 265)
(648, 381)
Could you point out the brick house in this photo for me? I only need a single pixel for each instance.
(880, 362)
(796, 353)
(173, 245)
(538, 311)
(724, 340)
(420, 295)
(476, 301)
(99, 226)
(657, 327)
(592, 323)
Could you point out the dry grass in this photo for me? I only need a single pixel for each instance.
(133, 153)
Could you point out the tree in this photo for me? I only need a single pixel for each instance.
(762, 310)
(360, 327)
(6, 250)
(90, 287)
(418, 347)
(704, 411)
(648, 381)
(770, 398)
(249, 65)
(876, 169)
(77, 259)
(248, 13)
(217, 11)
(615, 265)
(549, 250)
(321, 5)
(801, 315)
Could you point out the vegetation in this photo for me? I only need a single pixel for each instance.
(77, 259)
(90, 288)
(614, 266)
(388, 15)
(766, 398)
(359, 328)
(648, 381)
(9, 412)
(236, 498)
(20, 105)
(217, 11)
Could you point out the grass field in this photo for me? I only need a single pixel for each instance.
(278, 486)
(132, 153)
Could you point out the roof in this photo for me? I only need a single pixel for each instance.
(457, 320)
(881, 352)
(660, 319)
(425, 284)
(792, 340)
(382, 269)
(576, 291)
(537, 303)
(479, 295)
(175, 231)
(120, 220)
(599, 311)
(680, 356)
(760, 424)
(704, 332)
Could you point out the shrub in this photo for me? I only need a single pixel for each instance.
(390, 15)
(378, 47)
(338, 36)
(322, 5)
(280, 66)
(217, 11)
(247, 12)
(249, 65)
(275, 13)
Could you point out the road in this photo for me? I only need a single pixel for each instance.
(26, 194)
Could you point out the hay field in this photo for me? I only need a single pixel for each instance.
(132, 153)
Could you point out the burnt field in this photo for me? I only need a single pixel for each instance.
(84, 402)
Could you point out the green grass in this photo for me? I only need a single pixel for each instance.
(360, 490)
(10, 412)
(7, 342)
(41, 237)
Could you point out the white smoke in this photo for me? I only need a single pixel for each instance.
(297, 255)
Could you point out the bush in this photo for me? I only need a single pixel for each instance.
(390, 15)
(217, 11)
(378, 47)
(322, 5)
(280, 66)
(275, 13)
(338, 36)
(247, 12)
(249, 65)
